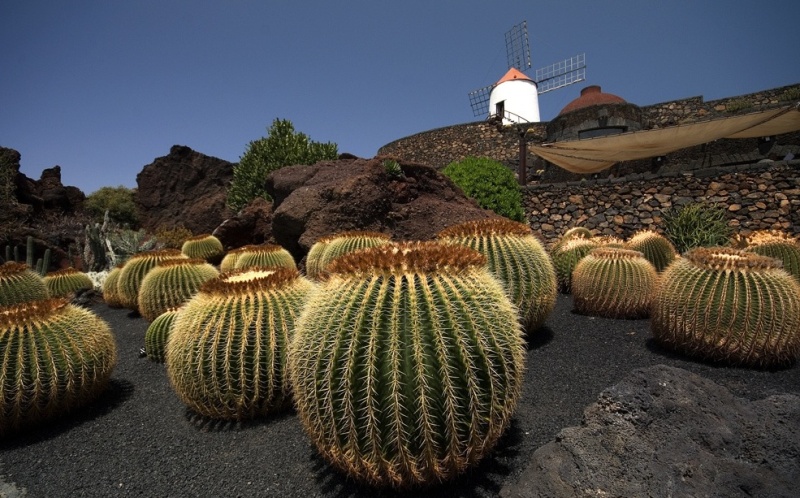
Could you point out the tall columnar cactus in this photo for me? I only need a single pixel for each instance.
(407, 363)
(157, 335)
(55, 357)
(567, 256)
(331, 247)
(614, 283)
(205, 246)
(64, 282)
(263, 255)
(18, 284)
(517, 258)
(134, 271)
(110, 288)
(656, 248)
(779, 245)
(227, 350)
(171, 283)
(727, 305)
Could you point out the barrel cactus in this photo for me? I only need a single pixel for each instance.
(55, 357)
(263, 255)
(134, 271)
(572, 233)
(407, 363)
(331, 247)
(157, 334)
(614, 283)
(566, 257)
(516, 258)
(227, 350)
(656, 248)
(65, 282)
(205, 246)
(110, 290)
(171, 283)
(779, 245)
(228, 262)
(18, 284)
(731, 306)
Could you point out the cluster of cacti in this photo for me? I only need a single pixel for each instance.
(517, 258)
(728, 305)
(157, 335)
(227, 350)
(18, 284)
(134, 271)
(572, 233)
(328, 248)
(262, 255)
(110, 290)
(567, 255)
(40, 266)
(407, 363)
(171, 283)
(205, 246)
(55, 357)
(65, 282)
(656, 248)
(614, 283)
(778, 245)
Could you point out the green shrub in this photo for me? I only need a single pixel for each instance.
(281, 147)
(119, 203)
(697, 225)
(490, 183)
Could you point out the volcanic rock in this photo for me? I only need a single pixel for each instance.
(251, 225)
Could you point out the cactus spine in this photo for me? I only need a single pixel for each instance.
(407, 363)
(18, 284)
(227, 350)
(205, 247)
(64, 282)
(614, 283)
(157, 335)
(656, 248)
(171, 283)
(331, 247)
(779, 245)
(55, 357)
(263, 255)
(726, 305)
(566, 257)
(134, 271)
(517, 258)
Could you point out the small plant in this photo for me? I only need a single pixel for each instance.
(490, 183)
(697, 225)
(392, 168)
(790, 94)
(118, 202)
(738, 105)
(125, 243)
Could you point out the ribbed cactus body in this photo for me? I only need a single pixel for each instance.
(567, 256)
(228, 262)
(614, 283)
(730, 306)
(55, 357)
(572, 233)
(227, 350)
(64, 282)
(205, 246)
(263, 255)
(171, 283)
(19, 284)
(110, 290)
(331, 247)
(656, 248)
(407, 363)
(134, 271)
(157, 334)
(516, 258)
(778, 245)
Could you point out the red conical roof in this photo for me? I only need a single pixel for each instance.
(513, 74)
(591, 95)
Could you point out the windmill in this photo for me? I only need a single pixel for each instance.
(515, 97)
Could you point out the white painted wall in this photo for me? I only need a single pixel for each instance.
(520, 97)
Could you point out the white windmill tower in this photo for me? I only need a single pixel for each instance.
(515, 97)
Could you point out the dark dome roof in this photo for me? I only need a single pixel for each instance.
(591, 95)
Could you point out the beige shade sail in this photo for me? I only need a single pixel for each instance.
(596, 154)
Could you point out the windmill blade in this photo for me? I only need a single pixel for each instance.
(561, 74)
(479, 100)
(518, 49)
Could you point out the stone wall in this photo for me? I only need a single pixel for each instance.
(756, 196)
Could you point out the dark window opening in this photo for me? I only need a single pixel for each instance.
(500, 109)
(601, 132)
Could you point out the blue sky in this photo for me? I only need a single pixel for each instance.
(102, 88)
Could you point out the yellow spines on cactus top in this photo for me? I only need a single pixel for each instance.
(779, 245)
(330, 247)
(262, 255)
(656, 248)
(407, 363)
(205, 246)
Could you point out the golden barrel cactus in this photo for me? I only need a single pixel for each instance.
(171, 283)
(656, 248)
(19, 284)
(134, 271)
(67, 281)
(263, 255)
(331, 247)
(779, 245)
(205, 246)
(157, 335)
(110, 291)
(567, 255)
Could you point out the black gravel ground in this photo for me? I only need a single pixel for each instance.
(140, 440)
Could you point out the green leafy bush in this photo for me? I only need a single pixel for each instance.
(697, 225)
(281, 147)
(490, 183)
(119, 203)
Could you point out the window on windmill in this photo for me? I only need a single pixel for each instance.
(601, 132)
(500, 108)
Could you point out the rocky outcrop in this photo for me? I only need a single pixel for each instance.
(664, 431)
(360, 194)
(183, 188)
(251, 225)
